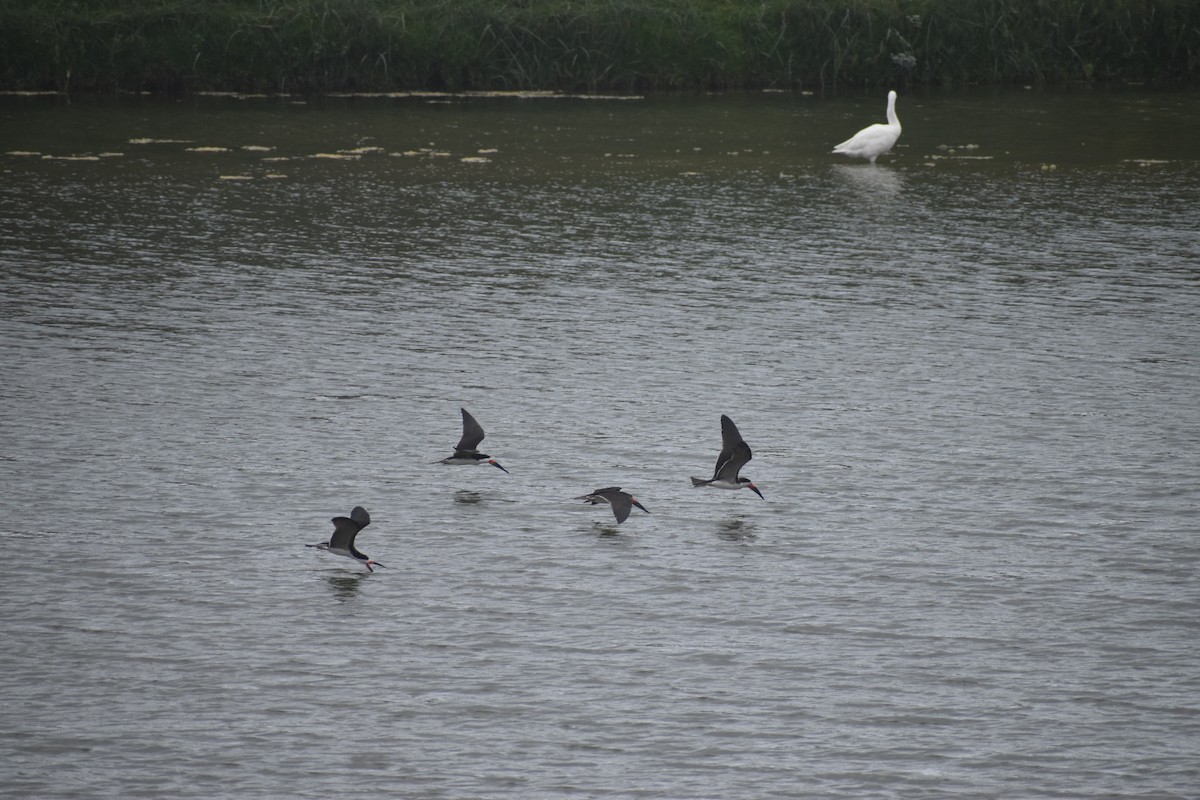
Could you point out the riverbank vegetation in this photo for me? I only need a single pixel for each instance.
(314, 46)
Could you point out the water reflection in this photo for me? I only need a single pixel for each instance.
(736, 529)
(605, 531)
(872, 181)
(345, 587)
(930, 343)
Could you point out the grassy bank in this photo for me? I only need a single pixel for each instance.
(310, 46)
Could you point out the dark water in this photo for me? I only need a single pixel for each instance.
(968, 374)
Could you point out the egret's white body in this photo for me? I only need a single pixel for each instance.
(874, 140)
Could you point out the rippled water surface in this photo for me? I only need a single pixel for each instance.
(968, 375)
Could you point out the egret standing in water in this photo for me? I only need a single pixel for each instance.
(874, 140)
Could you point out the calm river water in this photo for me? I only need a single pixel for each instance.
(968, 374)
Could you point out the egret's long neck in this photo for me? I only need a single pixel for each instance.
(891, 111)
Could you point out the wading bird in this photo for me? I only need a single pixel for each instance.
(342, 541)
(734, 455)
(874, 140)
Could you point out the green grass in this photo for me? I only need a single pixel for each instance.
(313, 46)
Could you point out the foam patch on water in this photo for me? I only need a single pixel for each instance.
(515, 95)
(71, 157)
(428, 152)
(239, 95)
(430, 96)
(952, 156)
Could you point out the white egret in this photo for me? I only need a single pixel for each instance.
(874, 140)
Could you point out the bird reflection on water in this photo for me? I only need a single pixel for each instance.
(467, 497)
(872, 181)
(605, 532)
(345, 587)
(736, 529)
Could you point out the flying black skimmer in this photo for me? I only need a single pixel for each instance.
(734, 455)
(342, 541)
(622, 502)
(464, 451)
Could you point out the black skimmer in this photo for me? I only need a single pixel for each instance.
(734, 455)
(622, 502)
(342, 541)
(464, 451)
